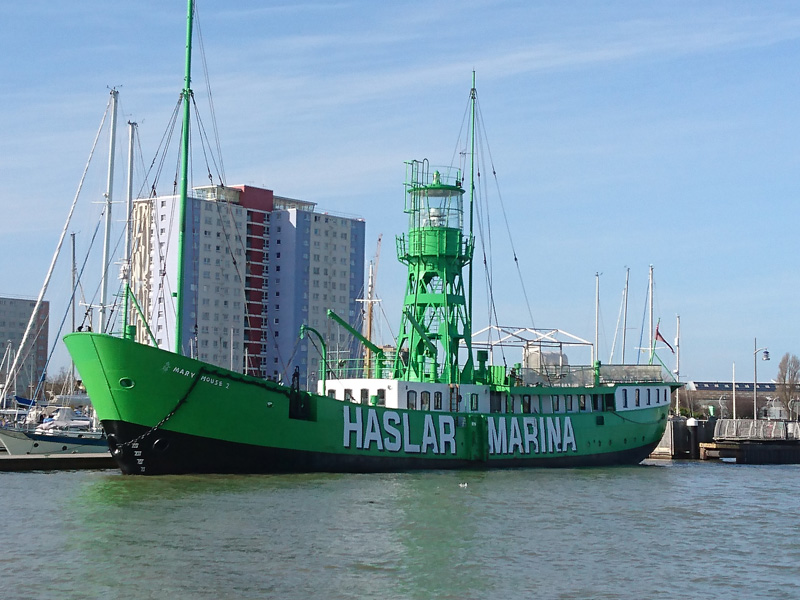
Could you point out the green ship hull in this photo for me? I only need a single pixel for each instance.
(165, 413)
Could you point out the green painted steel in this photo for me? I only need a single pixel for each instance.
(141, 385)
(380, 357)
(184, 181)
(435, 320)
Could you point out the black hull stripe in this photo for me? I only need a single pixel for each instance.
(167, 452)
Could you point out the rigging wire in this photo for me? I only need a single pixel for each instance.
(505, 217)
(641, 331)
(67, 312)
(484, 163)
(15, 366)
(161, 151)
(213, 112)
(203, 142)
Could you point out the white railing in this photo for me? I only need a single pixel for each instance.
(748, 429)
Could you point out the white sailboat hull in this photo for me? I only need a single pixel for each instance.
(19, 443)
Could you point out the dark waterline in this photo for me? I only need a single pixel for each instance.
(665, 529)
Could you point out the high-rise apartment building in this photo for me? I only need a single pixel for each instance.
(14, 316)
(256, 266)
(316, 263)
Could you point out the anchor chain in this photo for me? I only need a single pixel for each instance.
(294, 390)
(169, 415)
(155, 427)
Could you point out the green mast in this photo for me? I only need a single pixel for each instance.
(184, 182)
(435, 317)
(473, 97)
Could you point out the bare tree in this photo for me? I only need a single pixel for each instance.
(58, 383)
(787, 383)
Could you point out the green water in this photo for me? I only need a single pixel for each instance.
(663, 530)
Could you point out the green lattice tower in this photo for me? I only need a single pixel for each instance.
(435, 318)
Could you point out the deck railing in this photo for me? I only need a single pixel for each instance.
(748, 429)
(551, 376)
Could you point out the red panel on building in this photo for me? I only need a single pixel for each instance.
(255, 198)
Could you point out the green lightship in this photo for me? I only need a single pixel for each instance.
(429, 406)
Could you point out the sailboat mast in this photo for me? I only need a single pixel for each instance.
(370, 291)
(126, 266)
(651, 345)
(678, 348)
(34, 314)
(109, 197)
(625, 313)
(72, 305)
(733, 387)
(596, 349)
(184, 181)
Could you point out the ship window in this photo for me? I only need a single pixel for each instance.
(582, 402)
(473, 402)
(412, 400)
(494, 402)
(364, 396)
(568, 403)
(455, 398)
(648, 396)
(381, 397)
(331, 393)
(556, 404)
(509, 403)
(624, 398)
(595, 401)
(609, 402)
(437, 400)
(526, 403)
(636, 400)
(425, 400)
(348, 394)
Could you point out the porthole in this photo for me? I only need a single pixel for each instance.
(126, 382)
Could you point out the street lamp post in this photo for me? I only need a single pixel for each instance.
(756, 350)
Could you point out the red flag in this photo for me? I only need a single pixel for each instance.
(661, 338)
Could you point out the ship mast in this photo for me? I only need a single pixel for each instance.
(126, 261)
(109, 197)
(473, 98)
(186, 95)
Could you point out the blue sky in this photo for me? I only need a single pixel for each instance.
(624, 134)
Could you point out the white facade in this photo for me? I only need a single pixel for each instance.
(214, 300)
(316, 263)
(257, 267)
